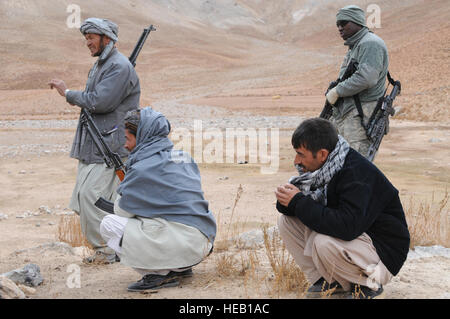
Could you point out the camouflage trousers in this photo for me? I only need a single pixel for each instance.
(349, 127)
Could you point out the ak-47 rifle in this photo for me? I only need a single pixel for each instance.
(111, 158)
(327, 110)
(378, 124)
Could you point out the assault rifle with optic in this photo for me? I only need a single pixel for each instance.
(111, 158)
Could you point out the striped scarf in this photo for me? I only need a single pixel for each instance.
(315, 183)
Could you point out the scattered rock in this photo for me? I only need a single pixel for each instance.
(45, 209)
(224, 178)
(9, 290)
(255, 238)
(3, 216)
(26, 214)
(29, 275)
(65, 213)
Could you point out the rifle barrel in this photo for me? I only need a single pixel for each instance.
(137, 49)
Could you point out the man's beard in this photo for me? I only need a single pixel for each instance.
(100, 50)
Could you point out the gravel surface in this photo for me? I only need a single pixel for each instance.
(180, 115)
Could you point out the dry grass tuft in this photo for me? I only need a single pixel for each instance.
(236, 200)
(225, 239)
(429, 223)
(249, 264)
(69, 231)
(239, 263)
(288, 277)
(226, 264)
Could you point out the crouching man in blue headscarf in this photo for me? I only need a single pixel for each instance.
(161, 224)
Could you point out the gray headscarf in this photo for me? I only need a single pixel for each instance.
(102, 27)
(352, 13)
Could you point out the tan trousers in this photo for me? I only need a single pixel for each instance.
(333, 259)
(93, 181)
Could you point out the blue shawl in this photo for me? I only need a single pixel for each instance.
(157, 185)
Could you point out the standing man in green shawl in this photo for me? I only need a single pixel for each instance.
(367, 83)
(111, 91)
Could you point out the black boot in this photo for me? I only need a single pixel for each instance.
(363, 292)
(152, 282)
(322, 288)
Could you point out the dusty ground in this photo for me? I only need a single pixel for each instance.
(246, 78)
(409, 159)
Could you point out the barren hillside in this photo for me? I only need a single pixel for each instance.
(223, 47)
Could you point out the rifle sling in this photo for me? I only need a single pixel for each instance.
(379, 103)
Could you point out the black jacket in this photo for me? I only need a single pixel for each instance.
(359, 199)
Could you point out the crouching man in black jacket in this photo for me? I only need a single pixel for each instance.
(342, 220)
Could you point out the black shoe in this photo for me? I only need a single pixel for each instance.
(363, 292)
(322, 288)
(153, 282)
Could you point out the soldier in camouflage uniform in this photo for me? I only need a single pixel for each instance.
(368, 82)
